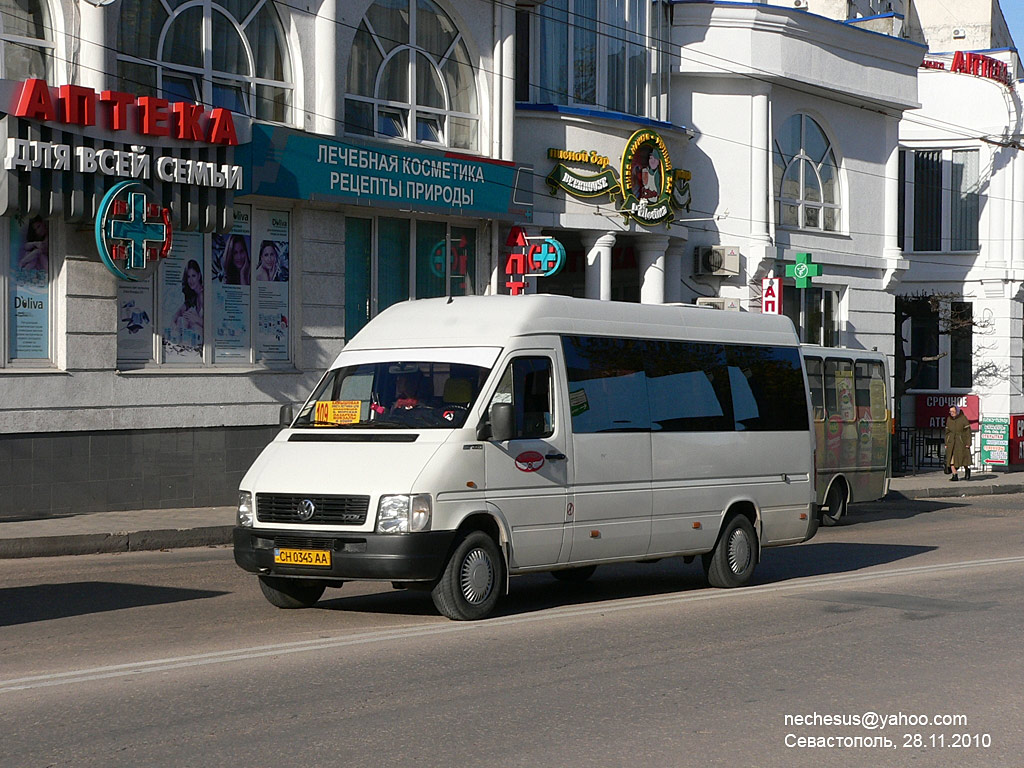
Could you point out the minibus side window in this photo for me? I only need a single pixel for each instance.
(767, 388)
(607, 384)
(687, 387)
(526, 384)
(839, 391)
(871, 396)
(815, 380)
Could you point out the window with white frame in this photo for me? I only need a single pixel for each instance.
(814, 312)
(410, 76)
(26, 36)
(806, 176)
(26, 302)
(938, 343)
(390, 259)
(216, 300)
(599, 54)
(940, 201)
(221, 53)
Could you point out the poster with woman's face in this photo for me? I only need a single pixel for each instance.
(182, 300)
(29, 300)
(231, 263)
(273, 331)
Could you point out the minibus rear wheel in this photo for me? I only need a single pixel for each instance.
(291, 593)
(472, 580)
(731, 563)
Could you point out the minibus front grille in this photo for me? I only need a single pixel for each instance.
(327, 510)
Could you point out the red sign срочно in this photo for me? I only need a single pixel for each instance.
(931, 411)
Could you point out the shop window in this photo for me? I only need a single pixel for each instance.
(941, 189)
(961, 345)
(221, 53)
(26, 276)
(589, 53)
(215, 300)
(806, 176)
(410, 76)
(814, 312)
(26, 39)
(390, 259)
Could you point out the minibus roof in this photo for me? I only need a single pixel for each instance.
(479, 321)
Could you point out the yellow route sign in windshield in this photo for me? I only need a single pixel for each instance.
(337, 411)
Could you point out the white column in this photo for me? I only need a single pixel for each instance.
(997, 203)
(890, 234)
(599, 264)
(325, 46)
(674, 269)
(760, 189)
(651, 262)
(1017, 215)
(92, 55)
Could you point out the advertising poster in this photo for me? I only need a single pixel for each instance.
(271, 281)
(29, 300)
(995, 441)
(181, 299)
(135, 320)
(231, 267)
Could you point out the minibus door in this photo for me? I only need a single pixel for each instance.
(528, 475)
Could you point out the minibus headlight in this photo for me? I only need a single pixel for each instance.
(403, 513)
(245, 513)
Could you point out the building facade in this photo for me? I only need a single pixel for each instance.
(201, 202)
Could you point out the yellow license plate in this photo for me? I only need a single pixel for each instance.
(319, 558)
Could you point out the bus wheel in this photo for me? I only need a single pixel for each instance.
(835, 504)
(291, 593)
(731, 563)
(575, 575)
(471, 583)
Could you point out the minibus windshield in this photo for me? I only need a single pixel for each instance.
(401, 394)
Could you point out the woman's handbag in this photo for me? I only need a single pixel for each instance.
(946, 469)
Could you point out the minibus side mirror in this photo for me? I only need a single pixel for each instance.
(503, 422)
(286, 416)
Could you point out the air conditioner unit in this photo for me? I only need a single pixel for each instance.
(959, 33)
(801, 4)
(716, 260)
(716, 302)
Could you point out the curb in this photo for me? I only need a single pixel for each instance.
(105, 543)
(950, 490)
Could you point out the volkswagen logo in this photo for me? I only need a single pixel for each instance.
(306, 510)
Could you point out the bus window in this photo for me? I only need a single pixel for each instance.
(815, 376)
(839, 392)
(871, 396)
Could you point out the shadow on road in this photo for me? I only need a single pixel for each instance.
(538, 592)
(42, 602)
(903, 509)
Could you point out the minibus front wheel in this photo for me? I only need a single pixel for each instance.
(731, 563)
(472, 580)
(291, 593)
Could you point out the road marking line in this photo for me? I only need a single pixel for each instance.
(807, 583)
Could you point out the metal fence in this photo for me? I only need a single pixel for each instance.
(918, 448)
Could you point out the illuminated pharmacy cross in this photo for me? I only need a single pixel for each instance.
(803, 270)
(137, 231)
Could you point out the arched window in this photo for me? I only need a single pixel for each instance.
(806, 176)
(410, 77)
(221, 53)
(27, 38)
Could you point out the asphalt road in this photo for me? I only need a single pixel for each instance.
(175, 659)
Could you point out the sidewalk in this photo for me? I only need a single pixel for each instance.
(208, 526)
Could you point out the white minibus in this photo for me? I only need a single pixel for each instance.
(849, 391)
(456, 442)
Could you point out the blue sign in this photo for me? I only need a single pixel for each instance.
(131, 229)
(292, 164)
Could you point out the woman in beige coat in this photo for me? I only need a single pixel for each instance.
(958, 442)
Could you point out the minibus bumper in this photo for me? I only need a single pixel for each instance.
(369, 557)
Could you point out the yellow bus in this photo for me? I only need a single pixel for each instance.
(849, 393)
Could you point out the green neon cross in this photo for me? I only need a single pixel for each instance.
(137, 231)
(803, 270)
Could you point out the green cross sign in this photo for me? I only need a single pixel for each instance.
(803, 270)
